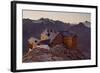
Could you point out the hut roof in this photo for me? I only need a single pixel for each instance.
(44, 42)
(33, 39)
(67, 33)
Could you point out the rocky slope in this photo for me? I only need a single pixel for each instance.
(57, 53)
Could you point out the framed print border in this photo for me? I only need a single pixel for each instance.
(14, 34)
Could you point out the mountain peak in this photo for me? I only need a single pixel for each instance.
(44, 19)
(84, 24)
(81, 24)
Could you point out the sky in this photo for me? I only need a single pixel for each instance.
(67, 17)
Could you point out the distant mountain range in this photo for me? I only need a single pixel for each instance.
(33, 28)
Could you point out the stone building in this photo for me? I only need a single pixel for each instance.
(65, 37)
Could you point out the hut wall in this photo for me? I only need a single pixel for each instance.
(58, 40)
(70, 42)
(74, 42)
